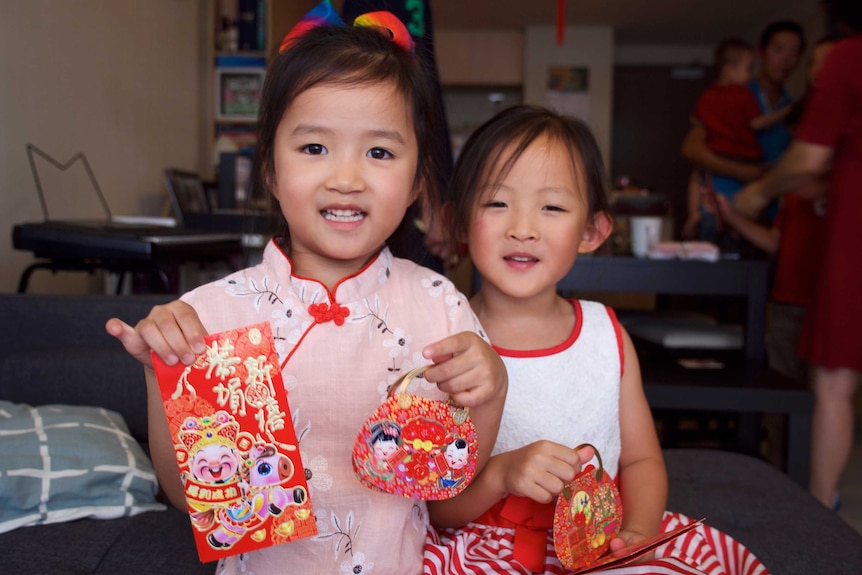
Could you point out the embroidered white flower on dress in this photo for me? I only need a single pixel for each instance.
(394, 375)
(323, 526)
(398, 344)
(242, 285)
(233, 564)
(357, 565)
(454, 302)
(290, 382)
(383, 274)
(234, 284)
(417, 518)
(434, 284)
(287, 324)
(315, 474)
(420, 382)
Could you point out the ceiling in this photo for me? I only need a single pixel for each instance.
(634, 21)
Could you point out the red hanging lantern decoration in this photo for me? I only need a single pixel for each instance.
(561, 21)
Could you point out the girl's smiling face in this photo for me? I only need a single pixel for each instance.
(527, 228)
(345, 162)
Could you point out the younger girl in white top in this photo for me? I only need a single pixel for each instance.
(528, 196)
(347, 142)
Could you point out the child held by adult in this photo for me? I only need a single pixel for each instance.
(731, 116)
(780, 47)
(529, 196)
(346, 144)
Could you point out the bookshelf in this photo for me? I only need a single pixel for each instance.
(235, 61)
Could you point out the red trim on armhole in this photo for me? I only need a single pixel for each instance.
(619, 333)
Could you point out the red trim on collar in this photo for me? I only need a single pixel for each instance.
(329, 294)
(573, 337)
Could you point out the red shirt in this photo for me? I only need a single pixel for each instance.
(726, 112)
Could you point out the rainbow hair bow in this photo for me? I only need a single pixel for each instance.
(325, 15)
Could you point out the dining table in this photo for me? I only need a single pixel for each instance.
(746, 387)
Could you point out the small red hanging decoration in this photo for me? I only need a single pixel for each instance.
(561, 21)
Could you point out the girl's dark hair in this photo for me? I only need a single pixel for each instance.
(498, 143)
(352, 56)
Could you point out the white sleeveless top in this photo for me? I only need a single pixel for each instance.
(573, 389)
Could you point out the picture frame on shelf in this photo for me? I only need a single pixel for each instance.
(238, 92)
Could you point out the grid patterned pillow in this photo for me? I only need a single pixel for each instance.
(60, 462)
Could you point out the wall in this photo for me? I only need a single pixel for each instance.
(116, 80)
(480, 58)
(591, 47)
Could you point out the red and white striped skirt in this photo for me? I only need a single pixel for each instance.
(481, 549)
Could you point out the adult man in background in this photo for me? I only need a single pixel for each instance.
(780, 49)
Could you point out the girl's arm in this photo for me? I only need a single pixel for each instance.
(175, 333)
(802, 168)
(642, 473)
(695, 183)
(766, 238)
(161, 446)
(537, 471)
(468, 369)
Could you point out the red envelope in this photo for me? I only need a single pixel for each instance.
(416, 447)
(236, 448)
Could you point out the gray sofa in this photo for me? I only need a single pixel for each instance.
(53, 349)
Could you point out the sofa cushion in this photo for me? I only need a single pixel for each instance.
(762, 508)
(158, 542)
(62, 462)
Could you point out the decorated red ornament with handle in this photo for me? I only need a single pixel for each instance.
(416, 447)
(587, 516)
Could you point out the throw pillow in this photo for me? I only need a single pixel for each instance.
(62, 462)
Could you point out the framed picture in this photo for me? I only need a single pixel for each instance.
(238, 93)
(187, 193)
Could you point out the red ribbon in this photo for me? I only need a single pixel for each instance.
(530, 520)
(561, 21)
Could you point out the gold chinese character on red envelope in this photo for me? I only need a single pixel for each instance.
(235, 446)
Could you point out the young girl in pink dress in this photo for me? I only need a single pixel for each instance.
(529, 196)
(347, 142)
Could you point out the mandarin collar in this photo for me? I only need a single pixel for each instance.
(357, 286)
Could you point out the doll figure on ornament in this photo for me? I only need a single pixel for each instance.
(385, 443)
(450, 464)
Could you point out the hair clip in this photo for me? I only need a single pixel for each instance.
(393, 27)
(323, 14)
